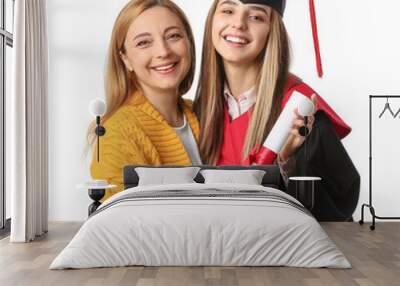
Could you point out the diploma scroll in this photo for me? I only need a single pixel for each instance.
(281, 130)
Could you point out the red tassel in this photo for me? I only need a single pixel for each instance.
(315, 37)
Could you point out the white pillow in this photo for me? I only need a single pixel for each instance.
(166, 176)
(248, 177)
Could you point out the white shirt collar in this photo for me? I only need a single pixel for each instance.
(237, 107)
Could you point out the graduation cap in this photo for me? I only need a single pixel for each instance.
(279, 6)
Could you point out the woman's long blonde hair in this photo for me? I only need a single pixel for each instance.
(270, 85)
(120, 84)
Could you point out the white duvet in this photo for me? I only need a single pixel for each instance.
(203, 231)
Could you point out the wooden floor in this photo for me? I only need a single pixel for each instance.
(375, 257)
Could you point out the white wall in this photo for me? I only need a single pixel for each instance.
(359, 44)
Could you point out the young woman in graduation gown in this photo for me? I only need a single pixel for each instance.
(244, 85)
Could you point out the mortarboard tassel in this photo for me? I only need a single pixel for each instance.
(315, 37)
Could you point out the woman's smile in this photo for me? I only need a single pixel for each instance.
(165, 69)
(236, 41)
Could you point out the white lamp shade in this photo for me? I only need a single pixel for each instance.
(97, 107)
(306, 109)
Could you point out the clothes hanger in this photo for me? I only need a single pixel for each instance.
(397, 113)
(387, 107)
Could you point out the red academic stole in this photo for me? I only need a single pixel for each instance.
(235, 130)
(234, 136)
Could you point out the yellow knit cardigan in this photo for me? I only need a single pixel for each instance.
(137, 134)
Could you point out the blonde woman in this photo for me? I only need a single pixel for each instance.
(244, 84)
(151, 65)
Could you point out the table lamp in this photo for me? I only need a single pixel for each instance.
(304, 184)
(97, 108)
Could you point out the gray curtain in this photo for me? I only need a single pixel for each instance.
(28, 173)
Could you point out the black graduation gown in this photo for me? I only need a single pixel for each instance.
(336, 196)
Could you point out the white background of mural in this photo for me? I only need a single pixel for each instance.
(359, 45)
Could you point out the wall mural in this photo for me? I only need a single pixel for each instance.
(248, 110)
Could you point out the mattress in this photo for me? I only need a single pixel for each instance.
(201, 225)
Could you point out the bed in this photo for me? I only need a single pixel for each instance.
(201, 224)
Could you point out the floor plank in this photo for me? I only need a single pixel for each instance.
(374, 255)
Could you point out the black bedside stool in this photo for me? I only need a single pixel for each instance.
(96, 191)
(305, 190)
